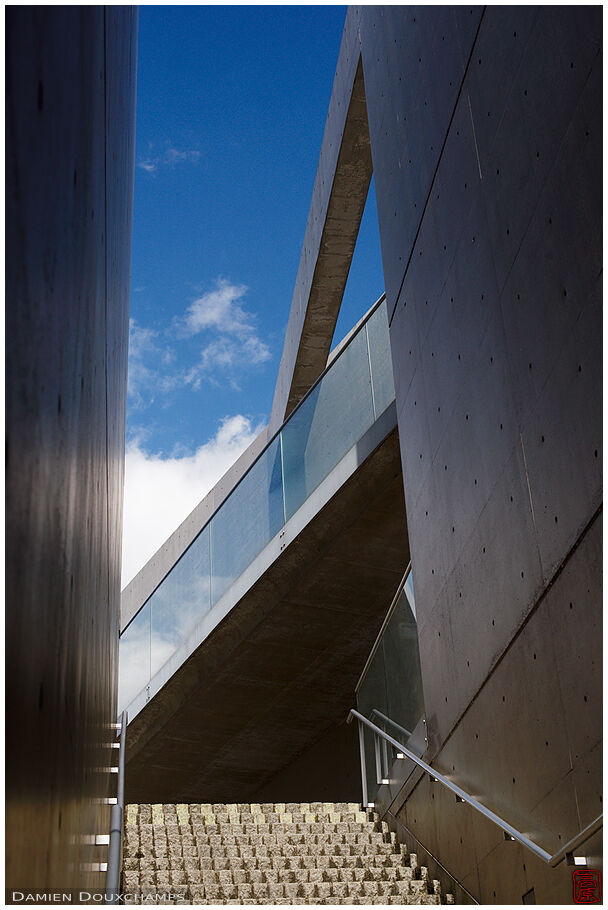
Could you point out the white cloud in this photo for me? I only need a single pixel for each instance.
(167, 159)
(148, 363)
(225, 353)
(173, 156)
(160, 492)
(149, 164)
(142, 349)
(220, 309)
(232, 346)
(238, 344)
(141, 340)
(256, 350)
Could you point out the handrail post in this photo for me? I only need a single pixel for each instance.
(461, 794)
(378, 759)
(385, 764)
(116, 823)
(363, 765)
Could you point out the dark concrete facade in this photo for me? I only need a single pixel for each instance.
(70, 157)
(484, 126)
(485, 132)
(485, 129)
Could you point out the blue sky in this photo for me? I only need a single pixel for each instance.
(231, 108)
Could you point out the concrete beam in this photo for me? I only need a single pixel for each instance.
(279, 671)
(339, 194)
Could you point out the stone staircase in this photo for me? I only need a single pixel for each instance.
(269, 853)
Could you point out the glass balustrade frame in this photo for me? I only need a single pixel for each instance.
(389, 691)
(349, 396)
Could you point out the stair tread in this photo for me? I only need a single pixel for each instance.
(268, 853)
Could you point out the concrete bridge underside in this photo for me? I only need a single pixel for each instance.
(270, 687)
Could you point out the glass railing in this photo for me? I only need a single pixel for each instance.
(355, 389)
(389, 692)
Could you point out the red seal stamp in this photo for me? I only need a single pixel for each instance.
(587, 886)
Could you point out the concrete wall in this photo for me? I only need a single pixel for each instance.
(70, 155)
(338, 200)
(311, 776)
(485, 129)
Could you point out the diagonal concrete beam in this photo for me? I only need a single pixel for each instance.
(338, 200)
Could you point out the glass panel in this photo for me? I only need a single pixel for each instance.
(331, 420)
(180, 602)
(380, 359)
(390, 694)
(408, 587)
(405, 705)
(134, 658)
(318, 435)
(247, 520)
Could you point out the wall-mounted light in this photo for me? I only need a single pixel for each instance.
(572, 860)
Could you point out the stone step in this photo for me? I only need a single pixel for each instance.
(272, 870)
(310, 834)
(225, 828)
(211, 864)
(244, 876)
(279, 853)
(256, 847)
(270, 892)
(180, 815)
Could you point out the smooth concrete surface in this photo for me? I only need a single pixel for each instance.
(437, 871)
(413, 64)
(289, 534)
(485, 131)
(309, 771)
(541, 695)
(485, 127)
(70, 75)
(338, 200)
(278, 673)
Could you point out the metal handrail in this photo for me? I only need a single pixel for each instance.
(387, 720)
(551, 859)
(376, 713)
(116, 823)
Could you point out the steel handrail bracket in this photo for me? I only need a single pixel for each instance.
(550, 859)
(117, 823)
